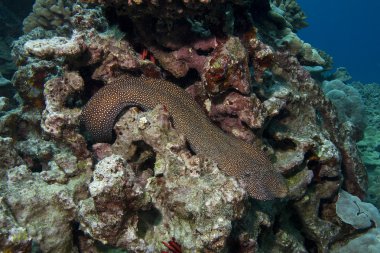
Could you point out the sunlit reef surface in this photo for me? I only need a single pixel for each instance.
(251, 75)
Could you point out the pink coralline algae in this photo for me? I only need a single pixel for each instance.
(227, 68)
(58, 119)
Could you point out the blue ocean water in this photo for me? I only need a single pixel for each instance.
(348, 30)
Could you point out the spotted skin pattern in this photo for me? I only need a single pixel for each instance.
(234, 156)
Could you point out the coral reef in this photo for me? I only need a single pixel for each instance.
(45, 210)
(4, 81)
(351, 210)
(368, 242)
(359, 215)
(227, 68)
(155, 206)
(248, 164)
(9, 157)
(369, 145)
(348, 103)
(50, 15)
(308, 55)
(247, 70)
(10, 29)
(288, 13)
(13, 238)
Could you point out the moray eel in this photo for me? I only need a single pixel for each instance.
(233, 156)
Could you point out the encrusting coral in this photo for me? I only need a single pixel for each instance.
(249, 76)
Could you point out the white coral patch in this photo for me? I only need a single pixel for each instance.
(53, 47)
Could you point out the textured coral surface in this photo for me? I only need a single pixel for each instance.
(242, 62)
(369, 146)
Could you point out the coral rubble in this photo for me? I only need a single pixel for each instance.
(247, 69)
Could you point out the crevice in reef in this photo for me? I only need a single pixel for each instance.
(147, 220)
(285, 144)
(74, 100)
(77, 233)
(91, 86)
(189, 79)
(144, 157)
(36, 165)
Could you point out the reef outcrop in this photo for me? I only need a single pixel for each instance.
(249, 72)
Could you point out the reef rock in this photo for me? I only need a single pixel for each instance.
(244, 65)
(13, 238)
(51, 14)
(150, 200)
(45, 210)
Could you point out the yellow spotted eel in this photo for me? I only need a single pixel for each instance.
(233, 156)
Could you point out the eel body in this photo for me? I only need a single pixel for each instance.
(235, 157)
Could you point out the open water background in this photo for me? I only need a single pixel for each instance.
(349, 31)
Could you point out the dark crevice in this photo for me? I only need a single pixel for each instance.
(74, 100)
(313, 163)
(285, 144)
(238, 227)
(190, 78)
(147, 220)
(276, 225)
(106, 248)
(310, 245)
(76, 235)
(188, 146)
(284, 113)
(297, 223)
(91, 86)
(144, 157)
(36, 166)
(205, 52)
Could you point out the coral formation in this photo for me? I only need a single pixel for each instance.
(13, 238)
(351, 210)
(288, 13)
(247, 70)
(45, 210)
(368, 242)
(369, 145)
(9, 157)
(247, 163)
(155, 203)
(359, 215)
(50, 15)
(227, 68)
(348, 103)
